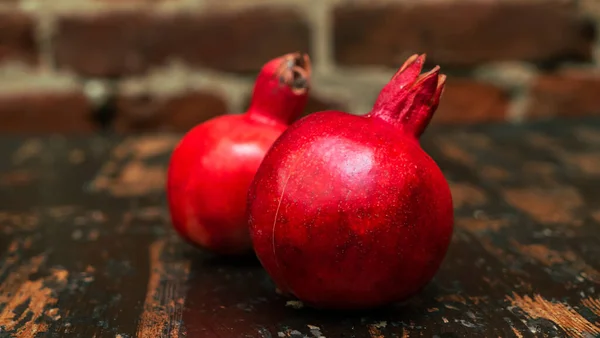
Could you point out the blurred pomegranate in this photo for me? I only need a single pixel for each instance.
(212, 166)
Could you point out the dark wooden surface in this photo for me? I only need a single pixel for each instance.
(87, 250)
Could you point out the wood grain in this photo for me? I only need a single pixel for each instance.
(86, 248)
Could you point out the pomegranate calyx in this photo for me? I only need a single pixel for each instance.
(294, 72)
(281, 89)
(410, 98)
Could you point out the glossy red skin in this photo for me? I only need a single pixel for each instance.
(213, 165)
(348, 212)
(364, 216)
(207, 190)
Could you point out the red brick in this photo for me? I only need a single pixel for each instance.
(46, 112)
(567, 93)
(176, 113)
(103, 45)
(124, 43)
(460, 33)
(469, 101)
(17, 37)
(120, 2)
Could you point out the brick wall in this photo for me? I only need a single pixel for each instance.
(132, 65)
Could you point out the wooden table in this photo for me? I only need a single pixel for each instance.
(87, 250)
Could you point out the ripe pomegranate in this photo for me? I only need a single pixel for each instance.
(212, 167)
(348, 211)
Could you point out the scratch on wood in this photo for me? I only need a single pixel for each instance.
(516, 332)
(546, 205)
(452, 298)
(464, 194)
(549, 257)
(593, 304)
(163, 306)
(562, 315)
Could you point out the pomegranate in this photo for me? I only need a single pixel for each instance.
(212, 166)
(348, 211)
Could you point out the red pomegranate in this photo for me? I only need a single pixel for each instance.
(211, 168)
(348, 211)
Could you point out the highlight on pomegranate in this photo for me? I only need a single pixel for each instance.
(348, 211)
(211, 168)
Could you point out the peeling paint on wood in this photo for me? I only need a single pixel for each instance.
(593, 304)
(560, 314)
(92, 254)
(127, 173)
(18, 289)
(136, 179)
(164, 296)
(375, 332)
(549, 257)
(517, 333)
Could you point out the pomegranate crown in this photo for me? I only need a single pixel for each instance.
(294, 71)
(410, 98)
(281, 88)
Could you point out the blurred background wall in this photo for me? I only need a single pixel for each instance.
(144, 65)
